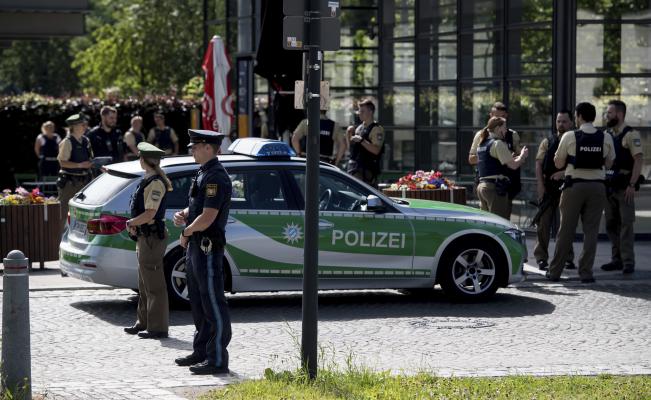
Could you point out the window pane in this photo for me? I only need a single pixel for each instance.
(357, 67)
(481, 54)
(359, 28)
(530, 52)
(613, 9)
(437, 106)
(399, 16)
(344, 194)
(259, 190)
(403, 61)
(400, 150)
(609, 53)
(481, 13)
(343, 104)
(399, 106)
(530, 102)
(437, 150)
(476, 103)
(635, 92)
(437, 16)
(530, 10)
(464, 141)
(438, 58)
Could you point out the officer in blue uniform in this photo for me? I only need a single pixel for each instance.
(204, 238)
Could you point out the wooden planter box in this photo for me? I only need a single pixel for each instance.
(455, 195)
(33, 229)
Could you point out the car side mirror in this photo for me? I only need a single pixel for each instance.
(373, 203)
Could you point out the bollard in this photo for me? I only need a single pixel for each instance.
(16, 354)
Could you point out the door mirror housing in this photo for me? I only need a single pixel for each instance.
(374, 203)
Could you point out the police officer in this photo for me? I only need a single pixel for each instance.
(549, 180)
(204, 238)
(512, 140)
(147, 228)
(106, 138)
(133, 138)
(366, 143)
(584, 153)
(74, 157)
(620, 208)
(163, 136)
(46, 148)
(495, 161)
(332, 142)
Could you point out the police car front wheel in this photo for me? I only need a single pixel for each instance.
(470, 271)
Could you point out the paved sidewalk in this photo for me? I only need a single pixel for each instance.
(535, 327)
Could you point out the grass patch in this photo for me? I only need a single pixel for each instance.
(365, 384)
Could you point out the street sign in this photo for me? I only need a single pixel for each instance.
(294, 34)
(327, 8)
(299, 90)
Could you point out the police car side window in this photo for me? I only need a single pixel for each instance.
(178, 197)
(345, 196)
(257, 190)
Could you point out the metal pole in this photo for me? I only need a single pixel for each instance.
(16, 357)
(311, 255)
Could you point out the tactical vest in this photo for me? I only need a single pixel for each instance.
(487, 164)
(365, 159)
(163, 138)
(623, 158)
(80, 152)
(589, 150)
(548, 166)
(137, 203)
(50, 149)
(326, 138)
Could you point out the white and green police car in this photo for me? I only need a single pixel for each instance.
(367, 240)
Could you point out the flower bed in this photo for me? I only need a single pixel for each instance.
(427, 185)
(31, 223)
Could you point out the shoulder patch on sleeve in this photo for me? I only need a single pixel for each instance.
(211, 190)
(637, 142)
(156, 194)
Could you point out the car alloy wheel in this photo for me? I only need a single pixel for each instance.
(179, 279)
(473, 271)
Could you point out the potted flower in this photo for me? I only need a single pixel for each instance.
(427, 185)
(30, 222)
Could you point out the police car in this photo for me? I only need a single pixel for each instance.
(366, 240)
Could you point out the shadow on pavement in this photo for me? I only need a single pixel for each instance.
(335, 306)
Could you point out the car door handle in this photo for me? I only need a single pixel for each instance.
(324, 225)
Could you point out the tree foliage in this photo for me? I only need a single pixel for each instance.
(154, 46)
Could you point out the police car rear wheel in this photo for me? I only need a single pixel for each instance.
(470, 272)
(177, 283)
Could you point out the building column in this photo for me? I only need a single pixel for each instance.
(564, 55)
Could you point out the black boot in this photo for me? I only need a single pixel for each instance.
(612, 266)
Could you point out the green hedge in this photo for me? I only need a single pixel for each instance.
(21, 118)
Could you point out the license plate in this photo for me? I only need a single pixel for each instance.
(78, 227)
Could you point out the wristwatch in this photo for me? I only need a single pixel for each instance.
(630, 184)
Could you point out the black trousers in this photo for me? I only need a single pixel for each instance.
(209, 307)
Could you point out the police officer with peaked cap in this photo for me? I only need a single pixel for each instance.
(147, 228)
(74, 157)
(585, 151)
(204, 238)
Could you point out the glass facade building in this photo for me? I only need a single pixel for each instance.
(435, 67)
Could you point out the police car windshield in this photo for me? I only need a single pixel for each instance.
(103, 188)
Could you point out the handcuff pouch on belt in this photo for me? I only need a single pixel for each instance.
(146, 230)
(64, 178)
(502, 186)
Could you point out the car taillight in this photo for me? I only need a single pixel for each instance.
(68, 218)
(107, 225)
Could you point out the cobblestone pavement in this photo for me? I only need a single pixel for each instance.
(80, 352)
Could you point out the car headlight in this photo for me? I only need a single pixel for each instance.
(516, 235)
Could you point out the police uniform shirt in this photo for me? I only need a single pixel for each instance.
(151, 137)
(567, 147)
(337, 133)
(376, 136)
(477, 140)
(632, 141)
(542, 149)
(154, 193)
(42, 139)
(65, 148)
(130, 138)
(499, 150)
(212, 189)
